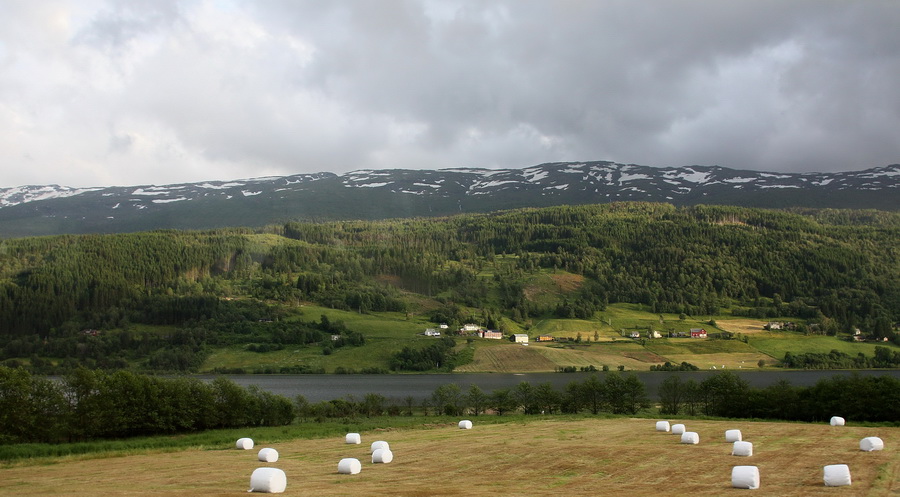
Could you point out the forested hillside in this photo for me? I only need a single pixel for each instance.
(836, 270)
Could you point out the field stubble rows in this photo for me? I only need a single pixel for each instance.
(547, 457)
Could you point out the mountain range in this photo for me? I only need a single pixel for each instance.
(394, 193)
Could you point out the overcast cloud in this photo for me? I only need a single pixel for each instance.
(105, 92)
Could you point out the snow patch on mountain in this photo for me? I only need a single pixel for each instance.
(631, 177)
(148, 192)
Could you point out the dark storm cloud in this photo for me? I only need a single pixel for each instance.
(178, 91)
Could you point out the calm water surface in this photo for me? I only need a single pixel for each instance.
(319, 387)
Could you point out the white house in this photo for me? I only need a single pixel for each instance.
(431, 332)
(470, 327)
(520, 338)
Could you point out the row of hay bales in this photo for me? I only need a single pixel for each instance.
(834, 475)
(380, 451)
(266, 479)
(274, 480)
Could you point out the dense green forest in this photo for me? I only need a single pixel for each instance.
(835, 270)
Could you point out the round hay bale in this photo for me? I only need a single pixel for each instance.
(733, 436)
(662, 426)
(745, 477)
(837, 475)
(690, 437)
(349, 466)
(244, 443)
(741, 448)
(837, 421)
(678, 429)
(465, 425)
(381, 444)
(869, 444)
(268, 480)
(353, 438)
(268, 455)
(382, 456)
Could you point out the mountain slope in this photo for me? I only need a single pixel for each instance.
(378, 194)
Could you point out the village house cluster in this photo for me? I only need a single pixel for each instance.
(470, 329)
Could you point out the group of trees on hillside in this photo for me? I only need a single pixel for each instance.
(701, 260)
(210, 323)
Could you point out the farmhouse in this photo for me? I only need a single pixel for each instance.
(469, 327)
(544, 338)
(431, 332)
(495, 334)
(634, 334)
(520, 338)
(698, 333)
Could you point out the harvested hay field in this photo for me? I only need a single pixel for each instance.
(744, 326)
(546, 457)
(506, 358)
(628, 354)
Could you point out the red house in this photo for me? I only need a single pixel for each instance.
(698, 333)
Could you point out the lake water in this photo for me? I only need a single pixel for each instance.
(396, 387)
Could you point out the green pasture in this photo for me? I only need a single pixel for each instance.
(570, 328)
(638, 317)
(776, 344)
(386, 333)
(695, 346)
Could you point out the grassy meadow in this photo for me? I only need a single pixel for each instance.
(572, 456)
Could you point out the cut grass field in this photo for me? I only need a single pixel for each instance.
(535, 457)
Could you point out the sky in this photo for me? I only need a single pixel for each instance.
(139, 92)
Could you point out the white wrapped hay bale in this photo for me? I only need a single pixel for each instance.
(742, 448)
(662, 426)
(268, 480)
(678, 429)
(381, 444)
(353, 438)
(745, 477)
(382, 456)
(465, 425)
(244, 443)
(869, 444)
(349, 466)
(837, 475)
(837, 421)
(268, 455)
(733, 436)
(690, 437)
